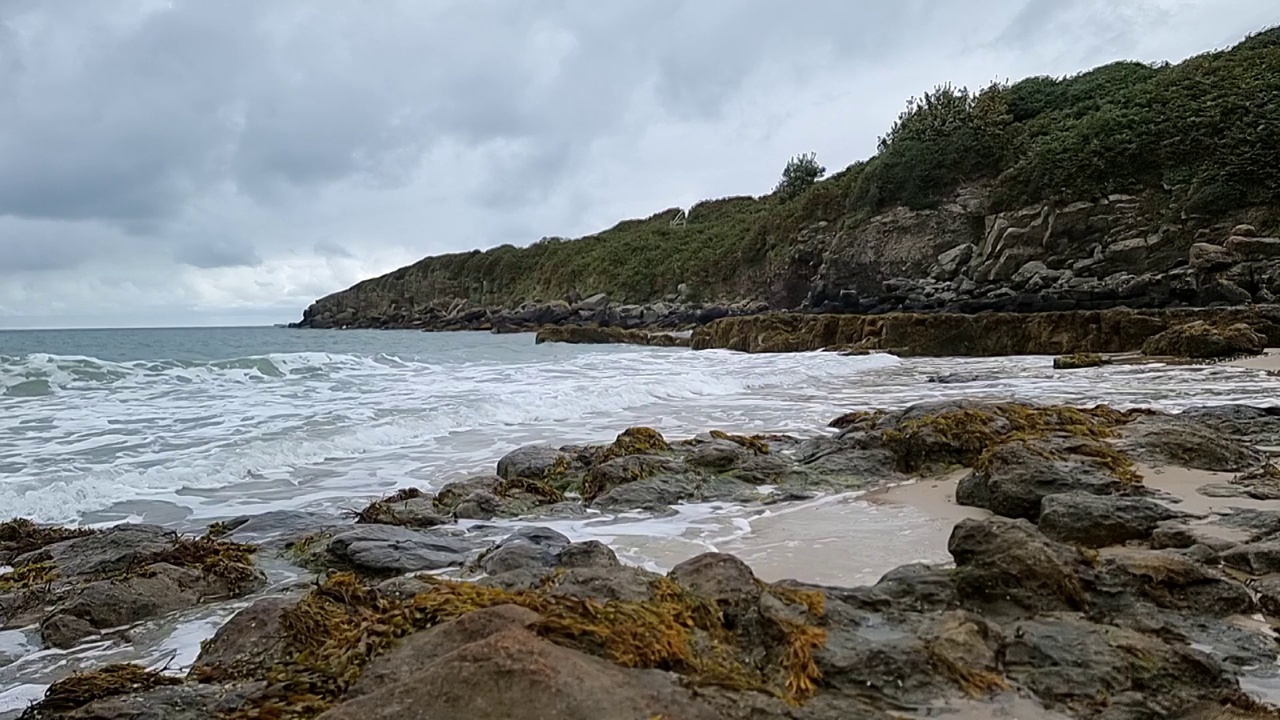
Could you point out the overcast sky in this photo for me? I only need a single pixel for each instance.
(194, 162)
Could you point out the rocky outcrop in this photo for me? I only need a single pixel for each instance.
(945, 334)
(1203, 340)
(578, 335)
(95, 581)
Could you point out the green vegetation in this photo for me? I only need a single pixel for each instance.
(1207, 125)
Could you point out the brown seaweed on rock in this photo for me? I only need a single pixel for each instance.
(341, 625)
(78, 690)
(20, 536)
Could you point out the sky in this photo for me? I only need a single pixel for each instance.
(187, 162)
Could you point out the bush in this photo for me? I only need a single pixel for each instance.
(801, 172)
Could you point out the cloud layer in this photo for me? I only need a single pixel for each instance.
(189, 162)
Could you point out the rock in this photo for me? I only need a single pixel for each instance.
(113, 603)
(1070, 661)
(1017, 477)
(960, 378)
(1028, 271)
(1254, 248)
(589, 554)
(529, 547)
(390, 550)
(950, 262)
(602, 584)
(1172, 580)
(250, 642)
(414, 512)
(599, 301)
(1256, 558)
(1268, 591)
(514, 675)
(1097, 521)
(717, 576)
(534, 462)
(1185, 442)
(1001, 561)
(1208, 258)
(176, 702)
(422, 649)
(657, 494)
(109, 552)
(1180, 535)
(1246, 231)
(1203, 340)
(64, 631)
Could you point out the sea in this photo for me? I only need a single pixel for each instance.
(184, 426)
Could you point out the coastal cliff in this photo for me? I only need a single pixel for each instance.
(1129, 185)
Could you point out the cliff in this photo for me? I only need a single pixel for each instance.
(1084, 192)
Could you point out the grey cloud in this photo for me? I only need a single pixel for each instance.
(308, 143)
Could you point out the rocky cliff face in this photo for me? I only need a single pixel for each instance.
(1118, 251)
(1122, 250)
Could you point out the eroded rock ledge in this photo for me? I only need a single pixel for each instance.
(1085, 594)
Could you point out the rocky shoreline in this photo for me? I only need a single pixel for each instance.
(1082, 591)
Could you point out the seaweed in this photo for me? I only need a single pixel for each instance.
(754, 443)
(229, 562)
(20, 536)
(28, 577)
(636, 441)
(380, 511)
(78, 690)
(967, 436)
(540, 488)
(336, 629)
(1076, 361)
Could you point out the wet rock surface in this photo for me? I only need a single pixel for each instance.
(93, 581)
(1085, 594)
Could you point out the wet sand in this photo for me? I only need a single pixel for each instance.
(854, 540)
(1269, 361)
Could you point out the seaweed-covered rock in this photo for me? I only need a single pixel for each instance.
(119, 576)
(513, 675)
(1169, 579)
(534, 462)
(409, 507)
(1017, 476)
(1097, 521)
(1077, 361)
(1202, 340)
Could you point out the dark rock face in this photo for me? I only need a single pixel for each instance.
(1186, 441)
(1006, 561)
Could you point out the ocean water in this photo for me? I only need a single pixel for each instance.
(184, 426)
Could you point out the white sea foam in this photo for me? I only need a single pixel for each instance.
(291, 430)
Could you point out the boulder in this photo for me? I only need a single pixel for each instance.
(1202, 340)
(535, 462)
(529, 547)
(1187, 442)
(1256, 558)
(950, 262)
(249, 643)
(390, 550)
(1098, 521)
(1017, 476)
(1007, 562)
(599, 301)
(514, 675)
(1206, 257)
(1254, 248)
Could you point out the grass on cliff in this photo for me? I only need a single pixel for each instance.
(1206, 125)
(341, 625)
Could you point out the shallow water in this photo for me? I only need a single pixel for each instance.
(181, 427)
